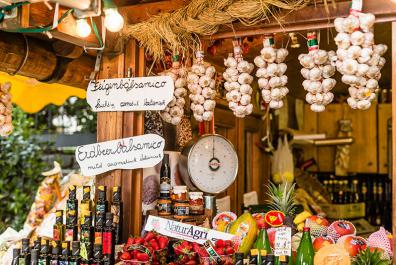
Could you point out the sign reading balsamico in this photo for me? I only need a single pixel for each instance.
(130, 94)
(127, 153)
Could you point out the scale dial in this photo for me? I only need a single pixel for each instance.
(212, 163)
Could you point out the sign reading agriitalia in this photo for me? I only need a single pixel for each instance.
(130, 94)
(127, 153)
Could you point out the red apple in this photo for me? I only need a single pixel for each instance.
(319, 220)
(340, 228)
(322, 241)
(353, 244)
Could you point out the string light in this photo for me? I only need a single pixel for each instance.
(83, 29)
(113, 22)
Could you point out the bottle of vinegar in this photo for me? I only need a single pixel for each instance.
(305, 251)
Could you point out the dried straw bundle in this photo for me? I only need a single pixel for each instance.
(180, 29)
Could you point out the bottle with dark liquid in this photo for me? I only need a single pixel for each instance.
(37, 243)
(116, 210)
(253, 258)
(283, 260)
(34, 257)
(85, 253)
(64, 258)
(75, 253)
(97, 255)
(355, 193)
(16, 252)
(45, 256)
(102, 205)
(99, 226)
(86, 235)
(71, 233)
(165, 178)
(56, 253)
(239, 258)
(24, 257)
(270, 260)
(72, 202)
(263, 256)
(59, 227)
(108, 240)
(86, 203)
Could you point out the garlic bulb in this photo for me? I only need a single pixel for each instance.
(359, 60)
(6, 127)
(239, 79)
(272, 79)
(202, 90)
(318, 82)
(174, 111)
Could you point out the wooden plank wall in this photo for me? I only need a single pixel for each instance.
(113, 125)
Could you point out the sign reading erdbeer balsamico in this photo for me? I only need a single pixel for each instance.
(126, 153)
(130, 94)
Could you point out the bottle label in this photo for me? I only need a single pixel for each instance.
(69, 235)
(98, 237)
(22, 261)
(72, 263)
(56, 234)
(115, 210)
(42, 262)
(54, 262)
(107, 243)
(100, 208)
(85, 235)
(63, 262)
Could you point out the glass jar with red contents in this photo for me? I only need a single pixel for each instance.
(179, 193)
(196, 203)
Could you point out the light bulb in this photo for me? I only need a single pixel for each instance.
(82, 28)
(114, 22)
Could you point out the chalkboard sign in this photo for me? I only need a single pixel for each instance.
(130, 94)
(127, 153)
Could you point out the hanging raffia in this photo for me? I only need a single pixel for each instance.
(180, 29)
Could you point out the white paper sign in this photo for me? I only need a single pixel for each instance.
(127, 153)
(185, 231)
(130, 94)
(282, 241)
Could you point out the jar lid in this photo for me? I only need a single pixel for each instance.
(179, 189)
(194, 195)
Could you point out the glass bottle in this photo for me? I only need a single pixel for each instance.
(239, 258)
(262, 243)
(253, 258)
(102, 204)
(86, 235)
(37, 243)
(117, 211)
(72, 202)
(283, 260)
(24, 257)
(86, 253)
(86, 203)
(165, 178)
(45, 256)
(34, 256)
(108, 240)
(270, 259)
(97, 255)
(263, 257)
(305, 252)
(59, 227)
(71, 233)
(16, 252)
(75, 253)
(355, 193)
(56, 252)
(99, 223)
(64, 258)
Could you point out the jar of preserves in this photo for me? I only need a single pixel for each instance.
(196, 203)
(181, 210)
(179, 193)
(164, 207)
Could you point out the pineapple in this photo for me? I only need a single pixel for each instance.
(282, 198)
(370, 257)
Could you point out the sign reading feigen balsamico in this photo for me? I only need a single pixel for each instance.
(126, 153)
(130, 94)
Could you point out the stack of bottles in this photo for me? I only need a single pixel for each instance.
(89, 240)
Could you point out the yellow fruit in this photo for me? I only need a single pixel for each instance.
(221, 225)
(301, 217)
(300, 226)
(246, 228)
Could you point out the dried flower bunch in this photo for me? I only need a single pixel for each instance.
(6, 127)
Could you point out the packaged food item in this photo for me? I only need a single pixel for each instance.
(181, 210)
(196, 203)
(164, 207)
(47, 193)
(246, 228)
(221, 220)
(179, 193)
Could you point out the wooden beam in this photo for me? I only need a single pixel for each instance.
(309, 18)
(394, 138)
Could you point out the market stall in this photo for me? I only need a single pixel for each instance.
(193, 162)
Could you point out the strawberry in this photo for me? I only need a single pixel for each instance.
(220, 251)
(126, 256)
(162, 241)
(142, 256)
(220, 243)
(154, 244)
(130, 241)
(139, 241)
(229, 250)
(229, 243)
(134, 253)
(150, 235)
(191, 262)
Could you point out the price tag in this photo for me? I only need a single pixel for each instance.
(282, 241)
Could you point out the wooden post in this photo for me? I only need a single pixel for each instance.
(115, 125)
(393, 76)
